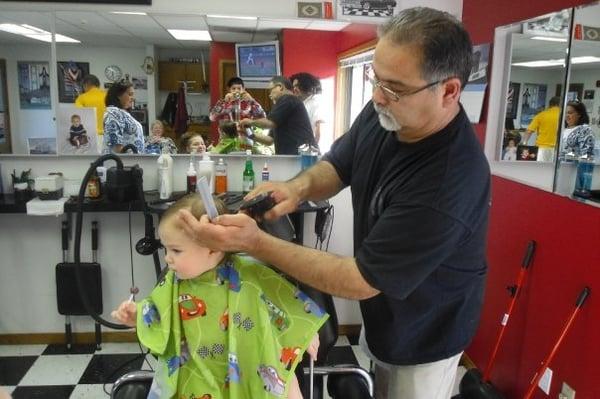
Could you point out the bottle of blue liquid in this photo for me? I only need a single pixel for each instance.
(265, 172)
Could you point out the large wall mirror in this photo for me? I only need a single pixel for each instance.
(577, 175)
(543, 118)
(111, 46)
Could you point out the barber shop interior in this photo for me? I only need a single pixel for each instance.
(393, 199)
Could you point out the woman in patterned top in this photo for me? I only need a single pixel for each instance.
(579, 145)
(120, 128)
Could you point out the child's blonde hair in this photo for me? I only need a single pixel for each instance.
(193, 203)
(75, 116)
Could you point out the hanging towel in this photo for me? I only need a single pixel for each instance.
(181, 115)
(170, 109)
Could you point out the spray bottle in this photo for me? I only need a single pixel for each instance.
(165, 174)
(191, 175)
(206, 167)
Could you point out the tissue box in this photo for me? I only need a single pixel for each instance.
(49, 187)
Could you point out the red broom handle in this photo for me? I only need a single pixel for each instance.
(514, 291)
(538, 375)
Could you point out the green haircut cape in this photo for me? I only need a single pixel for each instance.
(237, 331)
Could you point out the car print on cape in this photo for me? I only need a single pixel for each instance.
(150, 314)
(272, 382)
(191, 307)
(310, 306)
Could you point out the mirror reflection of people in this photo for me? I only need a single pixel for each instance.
(579, 145)
(420, 186)
(156, 141)
(193, 142)
(510, 151)
(288, 122)
(237, 104)
(308, 88)
(228, 316)
(120, 127)
(77, 133)
(93, 96)
(545, 124)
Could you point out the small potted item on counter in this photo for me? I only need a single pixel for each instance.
(49, 187)
(22, 186)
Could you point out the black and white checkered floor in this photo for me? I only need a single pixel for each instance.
(50, 372)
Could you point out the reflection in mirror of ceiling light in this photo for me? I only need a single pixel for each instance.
(35, 33)
(231, 17)
(185, 34)
(540, 63)
(128, 12)
(550, 39)
(545, 63)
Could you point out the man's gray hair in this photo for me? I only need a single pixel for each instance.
(446, 49)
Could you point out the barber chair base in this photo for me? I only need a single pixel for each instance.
(133, 385)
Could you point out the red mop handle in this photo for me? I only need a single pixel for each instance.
(538, 375)
(514, 290)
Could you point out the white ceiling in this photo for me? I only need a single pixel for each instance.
(105, 29)
(525, 49)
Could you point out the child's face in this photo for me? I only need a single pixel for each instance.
(183, 255)
(75, 121)
(196, 143)
(511, 143)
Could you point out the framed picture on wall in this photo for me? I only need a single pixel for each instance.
(41, 145)
(533, 101)
(34, 84)
(512, 100)
(366, 9)
(70, 76)
(527, 153)
(588, 94)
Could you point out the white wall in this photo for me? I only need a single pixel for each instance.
(30, 245)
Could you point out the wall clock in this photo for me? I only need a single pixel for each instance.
(113, 73)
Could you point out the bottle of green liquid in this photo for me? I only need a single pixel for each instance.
(248, 176)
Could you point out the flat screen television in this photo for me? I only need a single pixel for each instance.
(257, 62)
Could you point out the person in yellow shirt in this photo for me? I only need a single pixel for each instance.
(545, 124)
(93, 96)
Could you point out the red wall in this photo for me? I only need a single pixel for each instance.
(567, 259)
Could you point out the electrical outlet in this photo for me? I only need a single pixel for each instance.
(567, 391)
(546, 381)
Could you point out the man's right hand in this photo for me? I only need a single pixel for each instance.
(284, 194)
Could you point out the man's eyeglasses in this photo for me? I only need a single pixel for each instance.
(394, 95)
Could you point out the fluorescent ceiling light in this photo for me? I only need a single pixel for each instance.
(550, 39)
(561, 62)
(185, 34)
(128, 12)
(540, 63)
(231, 17)
(35, 33)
